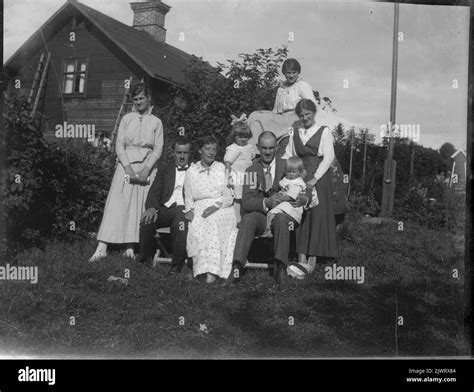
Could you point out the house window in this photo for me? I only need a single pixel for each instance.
(74, 76)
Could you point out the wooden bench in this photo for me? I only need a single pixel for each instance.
(161, 248)
(162, 255)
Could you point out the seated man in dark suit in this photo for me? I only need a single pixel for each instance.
(164, 207)
(259, 195)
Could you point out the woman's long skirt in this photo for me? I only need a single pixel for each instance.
(124, 207)
(316, 235)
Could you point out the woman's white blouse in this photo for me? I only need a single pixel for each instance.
(288, 96)
(139, 139)
(325, 150)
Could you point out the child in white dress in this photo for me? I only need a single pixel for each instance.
(238, 157)
(291, 186)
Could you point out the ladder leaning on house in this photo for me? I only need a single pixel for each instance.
(122, 111)
(38, 82)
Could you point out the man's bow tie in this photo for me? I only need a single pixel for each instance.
(181, 168)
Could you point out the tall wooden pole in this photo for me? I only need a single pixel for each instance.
(412, 164)
(351, 134)
(366, 131)
(390, 166)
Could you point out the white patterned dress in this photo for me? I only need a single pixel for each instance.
(208, 238)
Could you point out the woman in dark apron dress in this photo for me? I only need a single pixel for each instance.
(316, 235)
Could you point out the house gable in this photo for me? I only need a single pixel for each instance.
(113, 51)
(159, 60)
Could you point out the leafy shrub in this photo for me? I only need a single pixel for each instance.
(23, 177)
(83, 176)
(365, 204)
(447, 212)
(47, 186)
(456, 211)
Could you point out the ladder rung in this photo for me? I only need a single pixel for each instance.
(40, 88)
(120, 114)
(37, 77)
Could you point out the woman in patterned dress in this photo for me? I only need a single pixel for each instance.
(139, 146)
(313, 143)
(208, 207)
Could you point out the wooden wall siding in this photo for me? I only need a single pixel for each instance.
(108, 69)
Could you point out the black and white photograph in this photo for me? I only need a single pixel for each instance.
(236, 179)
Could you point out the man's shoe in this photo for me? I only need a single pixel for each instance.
(284, 280)
(276, 270)
(279, 273)
(143, 260)
(175, 269)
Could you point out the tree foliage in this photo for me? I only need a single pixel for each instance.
(212, 94)
(47, 186)
(446, 151)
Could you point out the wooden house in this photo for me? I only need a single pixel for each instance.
(75, 68)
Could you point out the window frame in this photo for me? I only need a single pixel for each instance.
(65, 73)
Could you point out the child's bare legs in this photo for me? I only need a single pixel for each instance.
(310, 262)
(268, 231)
(302, 258)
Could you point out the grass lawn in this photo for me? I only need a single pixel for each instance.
(407, 273)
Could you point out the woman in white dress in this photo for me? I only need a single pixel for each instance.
(290, 92)
(139, 146)
(208, 207)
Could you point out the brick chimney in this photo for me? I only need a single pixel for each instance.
(149, 16)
